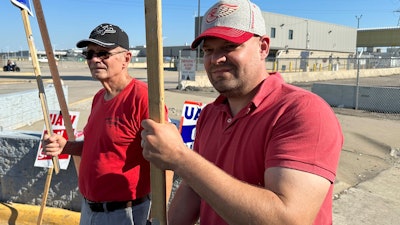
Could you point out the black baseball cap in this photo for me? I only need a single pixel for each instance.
(106, 35)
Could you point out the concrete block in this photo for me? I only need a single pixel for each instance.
(21, 182)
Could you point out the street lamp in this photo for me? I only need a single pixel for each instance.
(307, 36)
(198, 33)
(358, 66)
(358, 20)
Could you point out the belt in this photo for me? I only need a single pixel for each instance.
(112, 206)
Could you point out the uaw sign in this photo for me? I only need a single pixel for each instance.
(58, 127)
(187, 126)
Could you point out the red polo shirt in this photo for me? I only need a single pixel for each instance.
(283, 126)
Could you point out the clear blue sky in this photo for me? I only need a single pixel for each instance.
(71, 20)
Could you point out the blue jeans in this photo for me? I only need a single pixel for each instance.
(136, 215)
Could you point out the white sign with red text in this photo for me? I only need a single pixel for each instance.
(188, 69)
(58, 127)
(187, 126)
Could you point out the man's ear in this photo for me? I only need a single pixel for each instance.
(265, 45)
(128, 57)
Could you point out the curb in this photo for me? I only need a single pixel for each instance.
(23, 214)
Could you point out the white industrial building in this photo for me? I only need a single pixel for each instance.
(299, 40)
(299, 34)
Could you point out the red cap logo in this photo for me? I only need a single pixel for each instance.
(219, 11)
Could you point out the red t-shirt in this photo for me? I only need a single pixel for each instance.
(112, 166)
(283, 126)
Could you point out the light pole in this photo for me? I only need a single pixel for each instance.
(307, 36)
(358, 67)
(398, 21)
(198, 33)
(307, 47)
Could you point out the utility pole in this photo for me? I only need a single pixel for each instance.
(198, 33)
(398, 21)
(358, 67)
(307, 36)
(358, 21)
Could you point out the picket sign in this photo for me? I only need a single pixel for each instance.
(187, 126)
(58, 127)
(23, 4)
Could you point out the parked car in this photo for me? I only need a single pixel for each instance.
(43, 59)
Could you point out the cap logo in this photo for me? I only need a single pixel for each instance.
(219, 11)
(106, 29)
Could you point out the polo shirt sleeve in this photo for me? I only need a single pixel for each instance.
(306, 136)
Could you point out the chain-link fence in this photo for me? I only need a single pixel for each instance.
(330, 64)
(373, 84)
(369, 83)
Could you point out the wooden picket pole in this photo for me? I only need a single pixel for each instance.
(155, 78)
(39, 80)
(45, 110)
(60, 96)
(56, 77)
